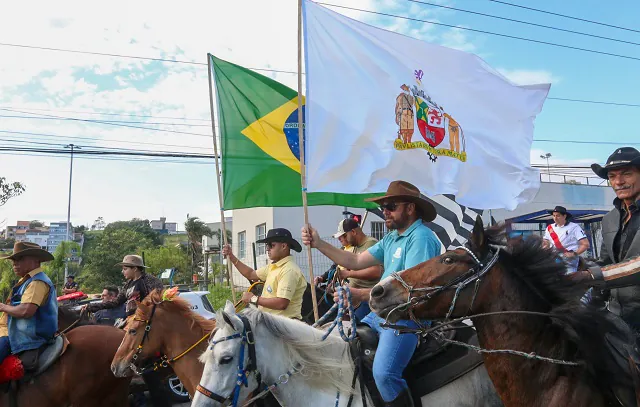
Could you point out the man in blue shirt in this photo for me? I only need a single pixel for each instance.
(408, 244)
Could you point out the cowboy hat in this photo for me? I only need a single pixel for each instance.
(22, 249)
(562, 211)
(403, 191)
(132, 260)
(281, 235)
(622, 157)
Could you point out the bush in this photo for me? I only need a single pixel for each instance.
(218, 295)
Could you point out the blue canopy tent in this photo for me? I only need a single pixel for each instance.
(544, 218)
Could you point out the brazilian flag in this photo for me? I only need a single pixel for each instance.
(259, 137)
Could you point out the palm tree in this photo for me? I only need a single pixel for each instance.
(195, 229)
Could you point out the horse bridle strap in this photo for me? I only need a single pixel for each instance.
(248, 340)
(147, 329)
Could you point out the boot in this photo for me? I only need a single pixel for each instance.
(404, 399)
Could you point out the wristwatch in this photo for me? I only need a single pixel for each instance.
(254, 300)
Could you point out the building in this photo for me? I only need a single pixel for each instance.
(252, 224)
(40, 236)
(10, 232)
(213, 243)
(163, 227)
(58, 234)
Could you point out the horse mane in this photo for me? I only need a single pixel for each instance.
(325, 363)
(588, 331)
(176, 304)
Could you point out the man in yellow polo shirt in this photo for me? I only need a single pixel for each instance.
(284, 284)
(30, 315)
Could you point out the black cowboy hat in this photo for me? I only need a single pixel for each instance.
(561, 210)
(22, 249)
(281, 235)
(622, 157)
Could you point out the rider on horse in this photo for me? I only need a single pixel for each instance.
(409, 244)
(284, 284)
(30, 316)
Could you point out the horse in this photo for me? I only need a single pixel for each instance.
(148, 333)
(301, 368)
(80, 377)
(541, 345)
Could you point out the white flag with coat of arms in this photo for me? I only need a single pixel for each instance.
(382, 106)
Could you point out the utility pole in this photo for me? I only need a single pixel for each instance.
(69, 239)
(546, 157)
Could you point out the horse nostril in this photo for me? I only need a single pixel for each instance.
(377, 291)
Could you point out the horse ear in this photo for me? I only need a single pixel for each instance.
(477, 237)
(226, 318)
(229, 308)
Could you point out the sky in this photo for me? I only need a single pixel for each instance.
(37, 84)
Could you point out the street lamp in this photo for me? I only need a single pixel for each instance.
(66, 263)
(546, 157)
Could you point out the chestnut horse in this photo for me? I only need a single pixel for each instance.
(164, 324)
(81, 377)
(494, 276)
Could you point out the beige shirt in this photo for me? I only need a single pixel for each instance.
(283, 279)
(357, 282)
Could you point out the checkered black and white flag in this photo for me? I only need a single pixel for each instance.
(453, 223)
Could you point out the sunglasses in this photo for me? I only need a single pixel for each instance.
(390, 206)
(271, 244)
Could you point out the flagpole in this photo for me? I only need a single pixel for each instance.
(218, 175)
(303, 177)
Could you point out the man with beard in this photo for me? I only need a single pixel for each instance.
(408, 244)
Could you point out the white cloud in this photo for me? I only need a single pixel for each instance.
(529, 77)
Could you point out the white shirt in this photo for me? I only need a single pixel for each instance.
(569, 235)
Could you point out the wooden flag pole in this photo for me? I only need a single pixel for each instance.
(218, 175)
(303, 178)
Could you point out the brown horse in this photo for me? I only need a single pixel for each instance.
(81, 377)
(173, 329)
(495, 276)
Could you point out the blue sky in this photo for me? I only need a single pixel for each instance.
(258, 34)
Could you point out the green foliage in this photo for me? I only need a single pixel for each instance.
(55, 268)
(218, 295)
(35, 224)
(138, 225)
(6, 244)
(108, 248)
(160, 258)
(7, 278)
(9, 189)
(80, 229)
(195, 229)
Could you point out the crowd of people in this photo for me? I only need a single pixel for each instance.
(29, 315)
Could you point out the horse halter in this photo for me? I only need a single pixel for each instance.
(473, 275)
(147, 329)
(249, 342)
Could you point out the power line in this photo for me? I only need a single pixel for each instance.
(98, 139)
(107, 113)
(599, 102)
(524, 22)
(616, 143)
(105, 54)
(94, 152)
(564, 15)
(108, 123)
(486, 32)
(108, 158)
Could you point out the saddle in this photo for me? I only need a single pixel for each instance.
(28, 364)
(434, 364)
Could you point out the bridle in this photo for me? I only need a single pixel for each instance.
(248, 342)
(164, 361)
(472, 276)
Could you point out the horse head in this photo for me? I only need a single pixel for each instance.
(442, 287)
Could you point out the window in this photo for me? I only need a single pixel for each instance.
(378, 230)
(242, 244)
(261, 233)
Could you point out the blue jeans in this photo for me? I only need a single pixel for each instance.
(362, 311)
(5, 348)
(392, 356)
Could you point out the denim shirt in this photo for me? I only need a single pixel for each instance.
(32, 333)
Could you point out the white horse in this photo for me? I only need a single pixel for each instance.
(284, 345)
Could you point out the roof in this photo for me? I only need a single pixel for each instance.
(579, 216)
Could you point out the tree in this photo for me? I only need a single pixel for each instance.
(7, 243)
(195, 229)
(98, 224)
(55, 268)
(9, 190)
(35, 224)
(142, 226)
(107, 249)
(218, 235)
(79, 229)
(165, 257)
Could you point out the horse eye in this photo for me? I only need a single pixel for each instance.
(132, 331)
(226, 360)
(447, 260)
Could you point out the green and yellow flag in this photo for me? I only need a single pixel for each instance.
(259, 136)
